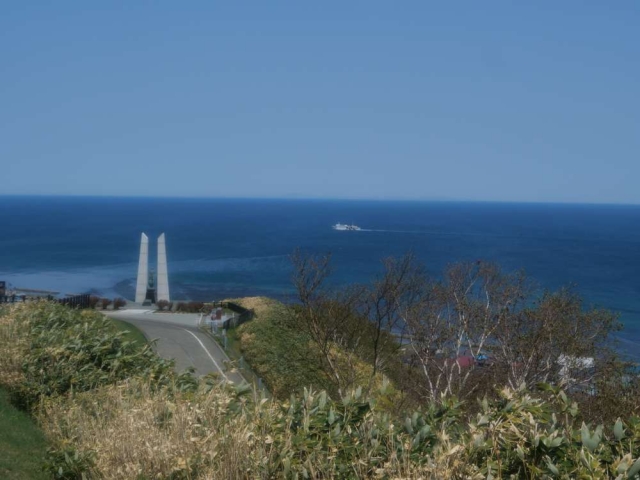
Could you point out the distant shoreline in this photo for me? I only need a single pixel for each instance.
(353, 200)
(35, 290)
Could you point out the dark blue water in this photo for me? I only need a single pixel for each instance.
(220, 248)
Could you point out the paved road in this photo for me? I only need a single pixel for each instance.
(179, 338)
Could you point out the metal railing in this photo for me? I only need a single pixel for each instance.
(244, 314)
(73, 301)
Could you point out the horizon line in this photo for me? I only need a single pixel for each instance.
(329, 199)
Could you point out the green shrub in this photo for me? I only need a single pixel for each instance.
(516, 436)
(66, 463)
(281, 355)
(73, 350)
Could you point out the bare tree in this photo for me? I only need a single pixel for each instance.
(355, 323)
(453, 323)
(554, 339)
(473, 330)
(383, 305)
(327, 315)
(480, 327)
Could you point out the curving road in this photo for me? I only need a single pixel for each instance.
(179, 338)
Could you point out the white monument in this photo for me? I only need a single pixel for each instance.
(143, 270)
(146, 283)
(163, 275)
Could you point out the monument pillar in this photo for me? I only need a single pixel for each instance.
(143, 270)
(163, 275)
(147, 288)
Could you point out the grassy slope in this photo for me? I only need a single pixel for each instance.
(132, 333)
(22, 444)
(288, 361)
(280, 355)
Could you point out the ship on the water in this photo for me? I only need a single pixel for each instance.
(342, 227)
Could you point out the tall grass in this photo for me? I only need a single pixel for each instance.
(136, 430)
(14, 343)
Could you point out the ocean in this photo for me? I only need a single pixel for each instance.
(220, 248)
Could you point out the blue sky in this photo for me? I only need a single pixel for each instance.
(505, 101)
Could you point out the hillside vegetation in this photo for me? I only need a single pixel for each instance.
(113, 411)
(280, 354)
(285, 356)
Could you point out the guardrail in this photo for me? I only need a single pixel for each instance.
(73, 301)
(76, 301)
(244, 314)
(12, 298)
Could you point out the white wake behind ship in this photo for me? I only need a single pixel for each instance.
(342, 227)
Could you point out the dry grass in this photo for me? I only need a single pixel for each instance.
(261, 306)
(14, 343)
(136, 432)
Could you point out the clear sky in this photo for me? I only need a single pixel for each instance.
(507, 101)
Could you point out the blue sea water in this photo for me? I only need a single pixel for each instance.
(219, 248)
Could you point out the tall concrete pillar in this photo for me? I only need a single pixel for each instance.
(143, 269)
(163, 275)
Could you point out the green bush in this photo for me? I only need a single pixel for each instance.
(69, 464)
(73, 350)
(516, 436)
(282, 355)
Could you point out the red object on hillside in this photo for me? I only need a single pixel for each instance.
(465, 361)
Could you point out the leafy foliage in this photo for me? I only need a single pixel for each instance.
(67, 463)
(280, 354)
(72, 350)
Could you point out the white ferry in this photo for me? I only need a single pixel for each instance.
(340, 226)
